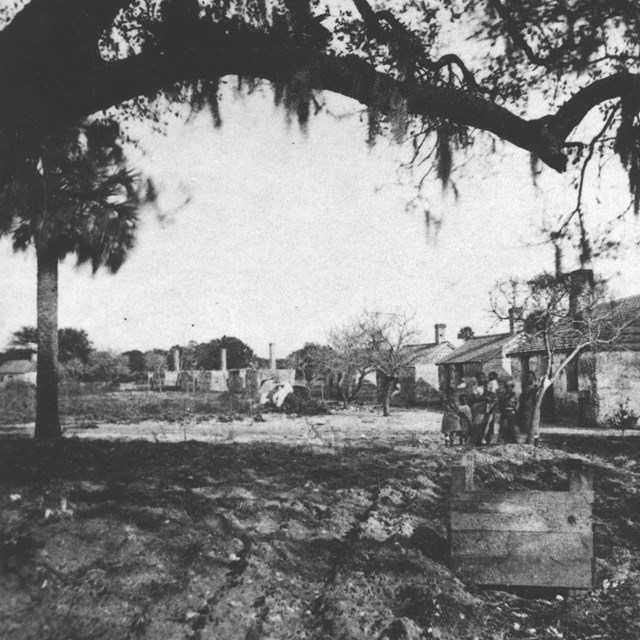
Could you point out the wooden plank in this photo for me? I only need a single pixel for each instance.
(575, 522)
(522, 511)
(519, 543)
(526, 499)
(549, 571)
(462, 475)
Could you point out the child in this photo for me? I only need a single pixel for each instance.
(493, 385)
(450, 419)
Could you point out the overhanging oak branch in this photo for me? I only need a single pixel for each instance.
(59, 88)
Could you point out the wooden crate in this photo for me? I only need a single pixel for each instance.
(522, 538)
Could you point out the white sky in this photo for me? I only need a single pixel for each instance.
(287, 235)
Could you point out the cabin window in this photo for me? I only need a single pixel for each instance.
(572, 375)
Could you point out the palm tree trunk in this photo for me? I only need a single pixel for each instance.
(47, 412)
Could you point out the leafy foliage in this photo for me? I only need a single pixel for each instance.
(136, 360)
(25, 336)
(106, 366)
(73, 344)
(313, 362)
(75, 196)
(206, 356)
(623, 418)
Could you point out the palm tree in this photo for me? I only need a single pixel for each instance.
(74, 196)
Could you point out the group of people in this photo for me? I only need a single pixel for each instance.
(489, 412)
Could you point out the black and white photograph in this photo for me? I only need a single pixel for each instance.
(319, 319)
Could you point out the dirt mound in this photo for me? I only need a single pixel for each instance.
(191, 540)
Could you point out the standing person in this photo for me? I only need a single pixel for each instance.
(508, 414)
(464, 411)
(479, 387)
(527, 402)
(490, 418)
(450, 418)
(478, 403)
(478, 419)
(493, 385)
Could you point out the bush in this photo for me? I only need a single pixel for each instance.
(17, 402)
(623, 419)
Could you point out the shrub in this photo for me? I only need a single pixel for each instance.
(623, 418)
(17, 402)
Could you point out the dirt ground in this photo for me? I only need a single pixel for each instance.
(332, 527)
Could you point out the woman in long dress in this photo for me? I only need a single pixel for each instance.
(508, 414)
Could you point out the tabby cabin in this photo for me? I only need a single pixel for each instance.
(595, 383)
(421, 385)
(480, 354)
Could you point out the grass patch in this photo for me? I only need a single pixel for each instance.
(93, 404)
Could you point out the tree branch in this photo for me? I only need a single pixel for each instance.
(514, 33)
(53, 90)
(411, 46)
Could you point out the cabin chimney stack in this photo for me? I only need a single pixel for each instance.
(581, 283)
(440, 333)
(223, 359)
(515, 320)
(272, 356)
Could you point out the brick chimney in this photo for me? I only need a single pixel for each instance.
(272, 356)
(581, 283)
(176, 359)
(515, 320)
(440, 333)
(223, 359)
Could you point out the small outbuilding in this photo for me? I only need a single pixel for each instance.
(421, 386)
(24, 370)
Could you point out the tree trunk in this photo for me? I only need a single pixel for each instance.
(346, 401)
(386, 395)
(47, 411)
(385, 405)
(534, 426)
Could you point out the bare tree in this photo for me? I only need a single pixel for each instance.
(388, 338)
(563, 316)
(349, 361)
(379, 342)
